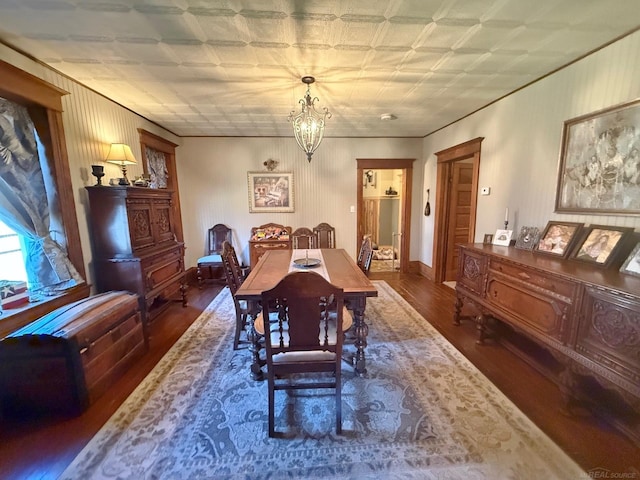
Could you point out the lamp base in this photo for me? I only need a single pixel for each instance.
(123, 181)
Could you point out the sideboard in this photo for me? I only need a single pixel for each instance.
(135, 246)
(587, 318)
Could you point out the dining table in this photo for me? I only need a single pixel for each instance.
(337, 266)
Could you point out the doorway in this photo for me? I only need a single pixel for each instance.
(456, 202)
(384, 210)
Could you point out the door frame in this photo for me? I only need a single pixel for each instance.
(406, 165)
(445, 159)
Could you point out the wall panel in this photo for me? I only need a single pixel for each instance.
(523, 135)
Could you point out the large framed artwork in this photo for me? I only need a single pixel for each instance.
(600, 244)
(270, 192)
(600, 162)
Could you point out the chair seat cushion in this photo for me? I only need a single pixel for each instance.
(210, 259)
(309, 356)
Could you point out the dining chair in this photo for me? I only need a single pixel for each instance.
(305, 312)
(246, 311)
(302, 237)
(365, 254)
(216, 235)
(325, 236)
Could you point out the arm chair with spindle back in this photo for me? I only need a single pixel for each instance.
(325, 236)
(216, 235)
(305, 314)
(302, 238)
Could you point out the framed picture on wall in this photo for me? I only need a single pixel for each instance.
(600, 244)
(600, 162)
(558, 238)
(270, 191)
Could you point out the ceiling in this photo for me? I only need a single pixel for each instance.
(233, 68)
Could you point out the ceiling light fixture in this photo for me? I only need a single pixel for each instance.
(388, 116)
(308, 125)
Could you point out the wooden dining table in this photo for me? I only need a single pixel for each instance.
(341, 270)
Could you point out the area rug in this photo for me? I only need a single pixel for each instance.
(421, 412)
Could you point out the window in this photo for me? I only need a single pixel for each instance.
(44, 105)
(11, 256)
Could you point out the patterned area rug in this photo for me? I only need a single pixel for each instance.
(422, 412)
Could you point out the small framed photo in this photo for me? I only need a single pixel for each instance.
(528, 238)
(502, 237)
(558, 238)
(631, 265)
(488, 239)
(270, 191)
(600, 244)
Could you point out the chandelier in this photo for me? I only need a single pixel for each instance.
(308, 125)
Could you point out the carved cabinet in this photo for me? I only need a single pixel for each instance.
(588, 318)
(135, 246)
(276, 237)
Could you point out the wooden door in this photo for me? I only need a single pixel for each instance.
(457, 173)
(459, 214)
(370, 218)
(141, 220)
(163, 225)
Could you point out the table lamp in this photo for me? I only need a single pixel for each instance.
(121, 154)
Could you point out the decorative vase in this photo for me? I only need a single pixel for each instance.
(98, 172)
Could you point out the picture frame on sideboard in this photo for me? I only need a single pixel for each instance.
(600, 244)
(631, 265)
(558, 238)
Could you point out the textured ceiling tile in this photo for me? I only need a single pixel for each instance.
(233, 67)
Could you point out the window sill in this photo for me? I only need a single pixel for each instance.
(15, 318)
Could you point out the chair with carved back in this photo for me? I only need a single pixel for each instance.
(305, 312)
(325, 236)
(245, 311)
(212, 261)
(302, 237)
(365, 254)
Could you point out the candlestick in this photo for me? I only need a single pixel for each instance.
(506, 215)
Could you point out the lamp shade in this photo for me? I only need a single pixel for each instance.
(121, 154)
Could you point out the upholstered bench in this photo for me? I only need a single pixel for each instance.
(69, 357)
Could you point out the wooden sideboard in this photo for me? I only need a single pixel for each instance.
(273, 241)
(587, 318)
(135, 246)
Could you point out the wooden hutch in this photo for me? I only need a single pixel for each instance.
(135, 247)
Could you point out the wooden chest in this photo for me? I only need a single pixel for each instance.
(68, 358)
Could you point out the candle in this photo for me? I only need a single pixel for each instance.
(506, 215)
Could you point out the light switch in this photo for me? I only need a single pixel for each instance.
(485, 190)
(352, 209)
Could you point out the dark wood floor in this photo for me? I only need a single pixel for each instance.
(41, 448)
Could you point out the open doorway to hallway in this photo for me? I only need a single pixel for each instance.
(382, 201)
(384, 210)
